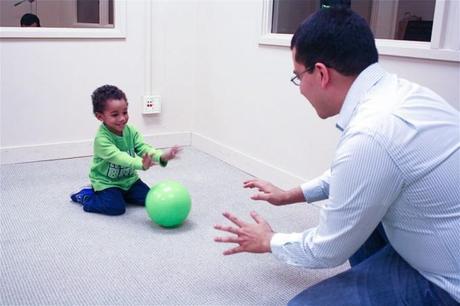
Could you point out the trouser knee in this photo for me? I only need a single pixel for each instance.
(302, 300)
(108, 202)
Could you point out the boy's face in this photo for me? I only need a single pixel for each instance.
(115, 115)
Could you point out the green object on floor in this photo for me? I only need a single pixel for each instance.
(168, 203)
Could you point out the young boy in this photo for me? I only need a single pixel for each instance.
(119, 150)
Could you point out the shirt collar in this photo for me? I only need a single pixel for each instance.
(365, 80)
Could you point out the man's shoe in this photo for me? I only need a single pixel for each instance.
(81, 195)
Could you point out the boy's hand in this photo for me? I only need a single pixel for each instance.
(147, 161)
(171, 154)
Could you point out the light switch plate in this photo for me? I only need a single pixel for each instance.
(151, 104)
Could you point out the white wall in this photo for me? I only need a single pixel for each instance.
(232, 95)
(46, 84)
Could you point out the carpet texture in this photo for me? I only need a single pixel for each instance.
(53, 253)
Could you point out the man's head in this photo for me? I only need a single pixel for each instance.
(329, 51)
(338, 38)
(30, 20)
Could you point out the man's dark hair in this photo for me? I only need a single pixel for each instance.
(104, 93)
(337, 37)
(335, 3)
(29, 19)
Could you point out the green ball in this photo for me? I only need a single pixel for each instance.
(168, 203)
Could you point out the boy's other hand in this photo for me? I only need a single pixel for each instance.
(147, 161)
(171, 153)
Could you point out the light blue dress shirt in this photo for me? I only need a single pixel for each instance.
(397, 162)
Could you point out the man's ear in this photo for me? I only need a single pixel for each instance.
(324, 74)
(99, 116)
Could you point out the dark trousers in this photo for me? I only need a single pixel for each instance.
(112, 201)
(378, 276)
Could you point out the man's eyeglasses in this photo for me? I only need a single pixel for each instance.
(297, 78)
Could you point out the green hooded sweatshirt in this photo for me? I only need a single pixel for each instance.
(116, 158)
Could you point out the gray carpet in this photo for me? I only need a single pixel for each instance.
(53, 253)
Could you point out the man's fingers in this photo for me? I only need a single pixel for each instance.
(260, 185)
(254, 183)
(261, 197)
(234, 250)
(249, 184)
(234, 219)
(228, 239)
(229, 229)
(257, 218)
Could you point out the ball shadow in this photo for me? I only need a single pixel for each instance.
(186, 226)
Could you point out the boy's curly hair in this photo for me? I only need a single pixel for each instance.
(104, 93)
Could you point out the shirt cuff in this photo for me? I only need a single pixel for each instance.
(137, 164)
(313, 191)
(162, 162)
(157, 156)
(278, 243)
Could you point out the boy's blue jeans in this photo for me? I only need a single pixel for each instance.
(378, 276)
(112, 201)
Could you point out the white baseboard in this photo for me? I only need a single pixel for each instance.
(246, 163)
(62, 150)
(49, 151)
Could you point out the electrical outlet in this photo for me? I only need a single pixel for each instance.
(151, 104)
